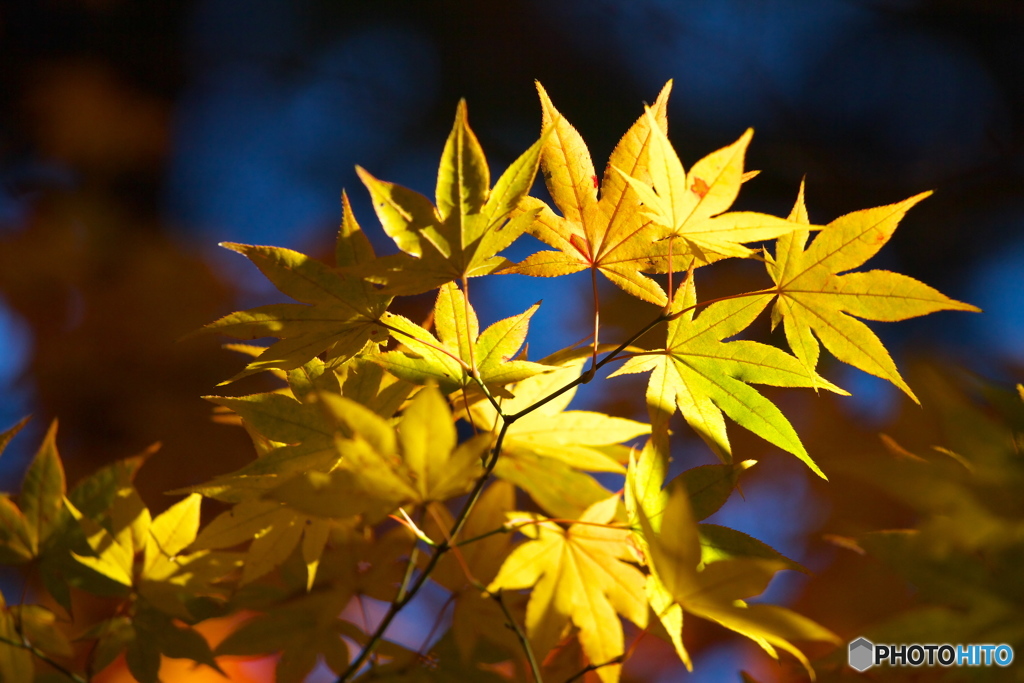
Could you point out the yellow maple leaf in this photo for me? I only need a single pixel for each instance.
(462, 235)
(580, 576)
(607, 234)
(460, 350)
(816, 300)
(691, 209)
(339, 312)
(685, 579)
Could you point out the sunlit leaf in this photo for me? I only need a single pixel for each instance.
(462, 236)
(814, 297)
(708, 378)
(578, 575)
(606, 234)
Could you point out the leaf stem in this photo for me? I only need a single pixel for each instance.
(499, 597)
(414, 556)
(442, 548)
(44, 657)
(597, 315)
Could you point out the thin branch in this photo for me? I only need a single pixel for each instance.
(460, 520)
(399, 604)
(44, 657)
(594, 667)
(514, 625)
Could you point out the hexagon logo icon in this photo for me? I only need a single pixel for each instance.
(862, 654)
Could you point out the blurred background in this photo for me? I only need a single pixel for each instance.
(136, 136)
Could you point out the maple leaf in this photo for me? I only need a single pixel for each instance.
(816, 300)
(26, 530)
(686, 577)
(544, 451)
(580, 576)
(693, 207)
(462, 351)
(334, 459)
(606, 234)
(340, 312)
(469, 226)
(166, 577)
(708, 378)
(303, 630)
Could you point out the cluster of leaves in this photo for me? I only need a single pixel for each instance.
(964, 554)
(364, 432)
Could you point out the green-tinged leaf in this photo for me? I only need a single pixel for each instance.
(112, 637)
(114, 553)
(459, 352)
(273, 545)
(129, 512)
(186, 586)
(352, 247)
(708, 378)
(461, 237)
(156, 635)
(428, 439)
(278, 417)
(39, 627)
(15, 539)
(341, 312)
(300, 629)
(314, 376)
(463, 179)
(15, 662)
(544, 451)
(671, 615)
(645, 477)
(241, 523)
(720, 543)
(353, 418)
(8, 434)
(42, 491)
(367, 384)
(173, 530)
(608, 234)
(365, 484)
(579, 576)
(314, 539)
(709, 486)
(815, 297)
(142, 656)
(558, 488)
(716, 591)
(273, 529)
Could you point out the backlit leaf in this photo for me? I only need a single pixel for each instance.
(459, 238)
(578, 575)
(339, 312)
(607, 234)
(813, 295)
(707, 377)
